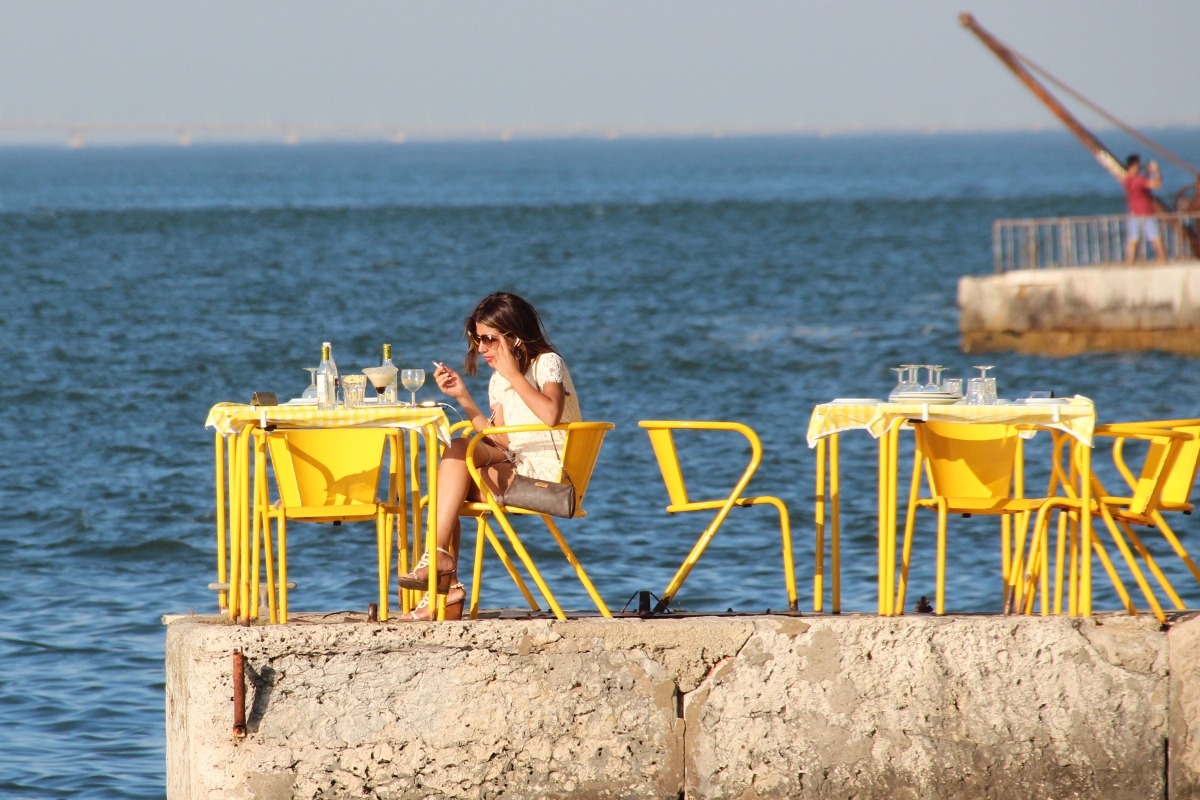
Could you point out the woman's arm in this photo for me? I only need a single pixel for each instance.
(547, 404)
(451, 384)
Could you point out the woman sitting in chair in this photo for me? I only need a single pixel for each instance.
(529, 385)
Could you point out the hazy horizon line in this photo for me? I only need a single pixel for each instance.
(103, 134)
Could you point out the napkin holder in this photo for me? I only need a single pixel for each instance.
(264, 399)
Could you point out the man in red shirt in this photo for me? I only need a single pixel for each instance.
(1141, 208)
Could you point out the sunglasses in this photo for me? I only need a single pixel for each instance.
(488, 339)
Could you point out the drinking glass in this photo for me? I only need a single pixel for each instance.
(899, 381)
(354, 389)
(990, 387)
(311, 391)
(412, 379)
(976, 392)
(953, 386)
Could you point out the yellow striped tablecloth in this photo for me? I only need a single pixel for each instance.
(1076, 417)
(231, 418)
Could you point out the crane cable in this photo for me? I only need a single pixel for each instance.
(1162, 151)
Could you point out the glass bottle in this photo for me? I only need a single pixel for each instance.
(391, 394)
(327, 379)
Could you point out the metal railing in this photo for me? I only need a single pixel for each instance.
(1086, 241)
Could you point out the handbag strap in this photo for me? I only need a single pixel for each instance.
(563, 469)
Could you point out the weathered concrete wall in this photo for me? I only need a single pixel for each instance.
(1062, 311)
(741, 707)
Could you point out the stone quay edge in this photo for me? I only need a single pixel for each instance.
(972, 706)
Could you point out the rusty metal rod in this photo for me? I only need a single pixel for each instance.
(239, 694)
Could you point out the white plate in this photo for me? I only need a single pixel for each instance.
(1044, 401)
(917, 397)
(301, 401)
(854, 401)
(927, 400)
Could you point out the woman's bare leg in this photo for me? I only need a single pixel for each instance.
(454, 486)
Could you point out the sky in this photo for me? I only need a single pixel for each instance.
(619, 65)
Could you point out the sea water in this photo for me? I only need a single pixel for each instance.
(736, 279)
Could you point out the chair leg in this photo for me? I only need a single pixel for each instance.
(1059, 559)
(1131, 562)
(574, 562)
(528, 562)
(1039, 571)
(1111, 571)
(382, 569)
(498, 546)
(1152, 565)
(941, 559)
(914, 490)
(283, 598)
(1171, 538)
(789, 562)
(1073, 577)
(255, 562)
(477, 570)
(268, 558)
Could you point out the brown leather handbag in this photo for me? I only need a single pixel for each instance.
(544, 497)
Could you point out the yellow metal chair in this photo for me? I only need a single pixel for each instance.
(328, 476)
(970, 470)
(1164, 484)
(409, 598)
(662, 439)
(580, 448)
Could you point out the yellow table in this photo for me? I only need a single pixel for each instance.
(883, 421)
(238, 422)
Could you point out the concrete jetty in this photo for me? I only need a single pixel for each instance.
(1080, 309)
(974, 706)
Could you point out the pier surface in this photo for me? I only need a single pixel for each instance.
(710, 707)
(1081, 309)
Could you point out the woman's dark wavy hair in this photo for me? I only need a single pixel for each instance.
(514, 317)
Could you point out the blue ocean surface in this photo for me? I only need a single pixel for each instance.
(735, 279)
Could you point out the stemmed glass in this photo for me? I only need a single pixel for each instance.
(412, 379)
(311, 391)
(935, 378)
(899, 380)
(381, 378)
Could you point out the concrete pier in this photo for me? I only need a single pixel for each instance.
(701, 707)
(1080, 309)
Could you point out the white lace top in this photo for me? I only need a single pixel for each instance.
(533, 454)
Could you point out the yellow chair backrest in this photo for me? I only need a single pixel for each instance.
(663, 442)
(970, 461)
(331, 467)
(581, 447)
(1152, 472)
(1182, 478)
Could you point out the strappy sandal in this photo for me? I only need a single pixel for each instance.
(412, 581)
(454, 608)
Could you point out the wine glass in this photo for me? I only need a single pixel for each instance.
(899, 381)
(311, 391)
(412, 379)
(381, 378)
(935, 378)
(911, 384)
